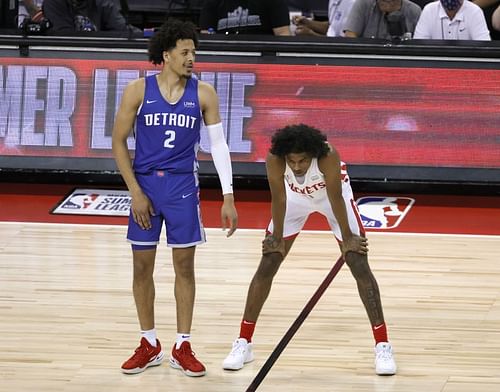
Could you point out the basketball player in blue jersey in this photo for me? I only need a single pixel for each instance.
(168, 109)
(306, 175)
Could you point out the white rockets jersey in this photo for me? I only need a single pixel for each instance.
(307, 194)
(312, 185)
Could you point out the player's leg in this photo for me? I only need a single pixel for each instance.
(370, 296)
(143, 285)
(297, 212)
(258, 291)
(184, 287)
(182, 356)
(260, 286)
(367, 286)
(144, 242)
(357, 263)
(184, 232)
(261, 283)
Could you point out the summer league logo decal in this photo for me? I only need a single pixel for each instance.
(95, 202)
(383, 212)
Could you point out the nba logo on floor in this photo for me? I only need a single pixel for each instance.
(79, 201)
(383, 212)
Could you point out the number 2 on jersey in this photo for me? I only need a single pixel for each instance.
(169, 141)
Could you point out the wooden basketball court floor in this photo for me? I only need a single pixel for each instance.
(68, 321)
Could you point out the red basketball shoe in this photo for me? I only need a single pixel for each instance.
(144, 356)
(184, 359)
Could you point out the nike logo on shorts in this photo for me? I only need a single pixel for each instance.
(187, 195)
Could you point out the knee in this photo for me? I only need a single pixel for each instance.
(358, 264)
(184, 271)
(143, 268)
(269, 265)
(184, 267)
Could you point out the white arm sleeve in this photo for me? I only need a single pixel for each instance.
(221, 157)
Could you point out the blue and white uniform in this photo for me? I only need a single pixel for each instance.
(307, 194)
(167, 140)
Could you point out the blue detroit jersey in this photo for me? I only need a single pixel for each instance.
(167, 136)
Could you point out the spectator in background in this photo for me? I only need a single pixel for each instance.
(245, 17)
(489, 7)
(452, 20)
(369, 18)
(69, 16)
(495, 19)
(35, 15)
(34, 11)
(338, 10)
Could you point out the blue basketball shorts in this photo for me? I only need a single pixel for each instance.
(176, 202)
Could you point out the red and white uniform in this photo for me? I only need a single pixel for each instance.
(307, 194)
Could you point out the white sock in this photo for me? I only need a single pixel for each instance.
(150, 336)
(181, 337)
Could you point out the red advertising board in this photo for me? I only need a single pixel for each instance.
(402, 116)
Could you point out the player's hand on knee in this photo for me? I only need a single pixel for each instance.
(273, 245)
(356, 244)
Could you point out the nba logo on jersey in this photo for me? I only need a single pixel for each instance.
(79, 201)
(383, 212)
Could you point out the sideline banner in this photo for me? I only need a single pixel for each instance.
(373, 115)
(95, 202)
(383, 212)
(377, 212)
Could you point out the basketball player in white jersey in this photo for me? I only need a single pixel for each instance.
(306, 175)
(168, 109)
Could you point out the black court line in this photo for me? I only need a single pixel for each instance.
(295, 326)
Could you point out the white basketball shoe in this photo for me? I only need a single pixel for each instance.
(240, 354)
(384, 360)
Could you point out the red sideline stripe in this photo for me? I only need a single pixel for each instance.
(430, 213)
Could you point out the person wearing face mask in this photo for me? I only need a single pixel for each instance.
(452, 20)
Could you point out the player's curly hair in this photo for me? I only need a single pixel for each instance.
(167, 36)
(298, 139)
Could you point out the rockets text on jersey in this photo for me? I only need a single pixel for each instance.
(312, 184)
